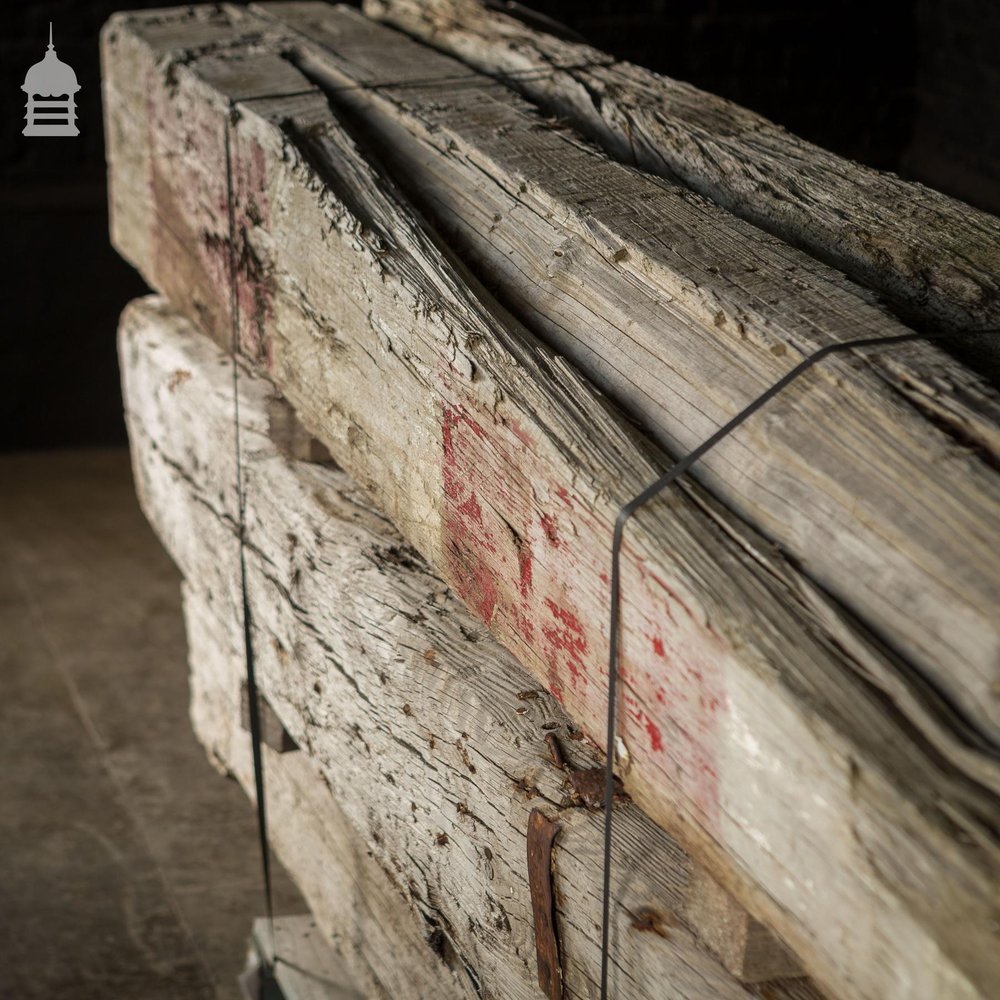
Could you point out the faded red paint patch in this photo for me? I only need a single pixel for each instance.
(566, 617)
(566, 642)
(468, 540)
(521, 434)
(655, 736)
(452, 484)
(193, 249)
(534, 566)
(549, 527)
(254, 270)
(481, 591)
(524, 560)
(523, 627)
(673, 662)
(471, 508)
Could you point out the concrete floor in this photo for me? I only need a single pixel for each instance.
(128, 867)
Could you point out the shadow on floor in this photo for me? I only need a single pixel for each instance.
(128, 867)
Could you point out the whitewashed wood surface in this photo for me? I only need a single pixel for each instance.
(431, 740)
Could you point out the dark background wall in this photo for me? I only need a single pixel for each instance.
(911, 86)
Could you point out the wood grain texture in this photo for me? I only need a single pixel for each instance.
(357, 904)
(432, 741)
(937, 258)
(744, 683)
(683, 314)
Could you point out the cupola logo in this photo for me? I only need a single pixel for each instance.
(51, 88)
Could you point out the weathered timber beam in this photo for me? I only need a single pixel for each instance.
(356, 902)
(937, 258)
(388, 684)
(683, 314)
(744, 684)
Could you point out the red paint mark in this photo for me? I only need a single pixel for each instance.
(259, 165)
(523, 627)
(677, 675)
(524, 568)
(468, 540)
(484, 590)
(655, 736)
(448, 425)
(254, 271)
(564, 496)
(549, 527)
(521, 434)
(567, 618)
(539, 578)
(471, 508)
(474, 427)
(567, 642)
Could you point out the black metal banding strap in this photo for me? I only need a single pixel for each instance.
(614, 626)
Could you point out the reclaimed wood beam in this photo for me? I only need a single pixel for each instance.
(936, 258)
(745, 684)
(386, 682)
(356, 903)
(683, 314)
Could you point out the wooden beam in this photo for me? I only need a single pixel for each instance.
(357, 905)
(682, 314)
(936, 258)
(744, 683)
(388, 684)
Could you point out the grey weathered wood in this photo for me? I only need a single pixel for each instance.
(937, 258)
(683, 314)
(356, 903)
(434, 742)
(505, 470)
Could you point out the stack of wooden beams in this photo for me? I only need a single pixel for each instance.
(466, 336)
